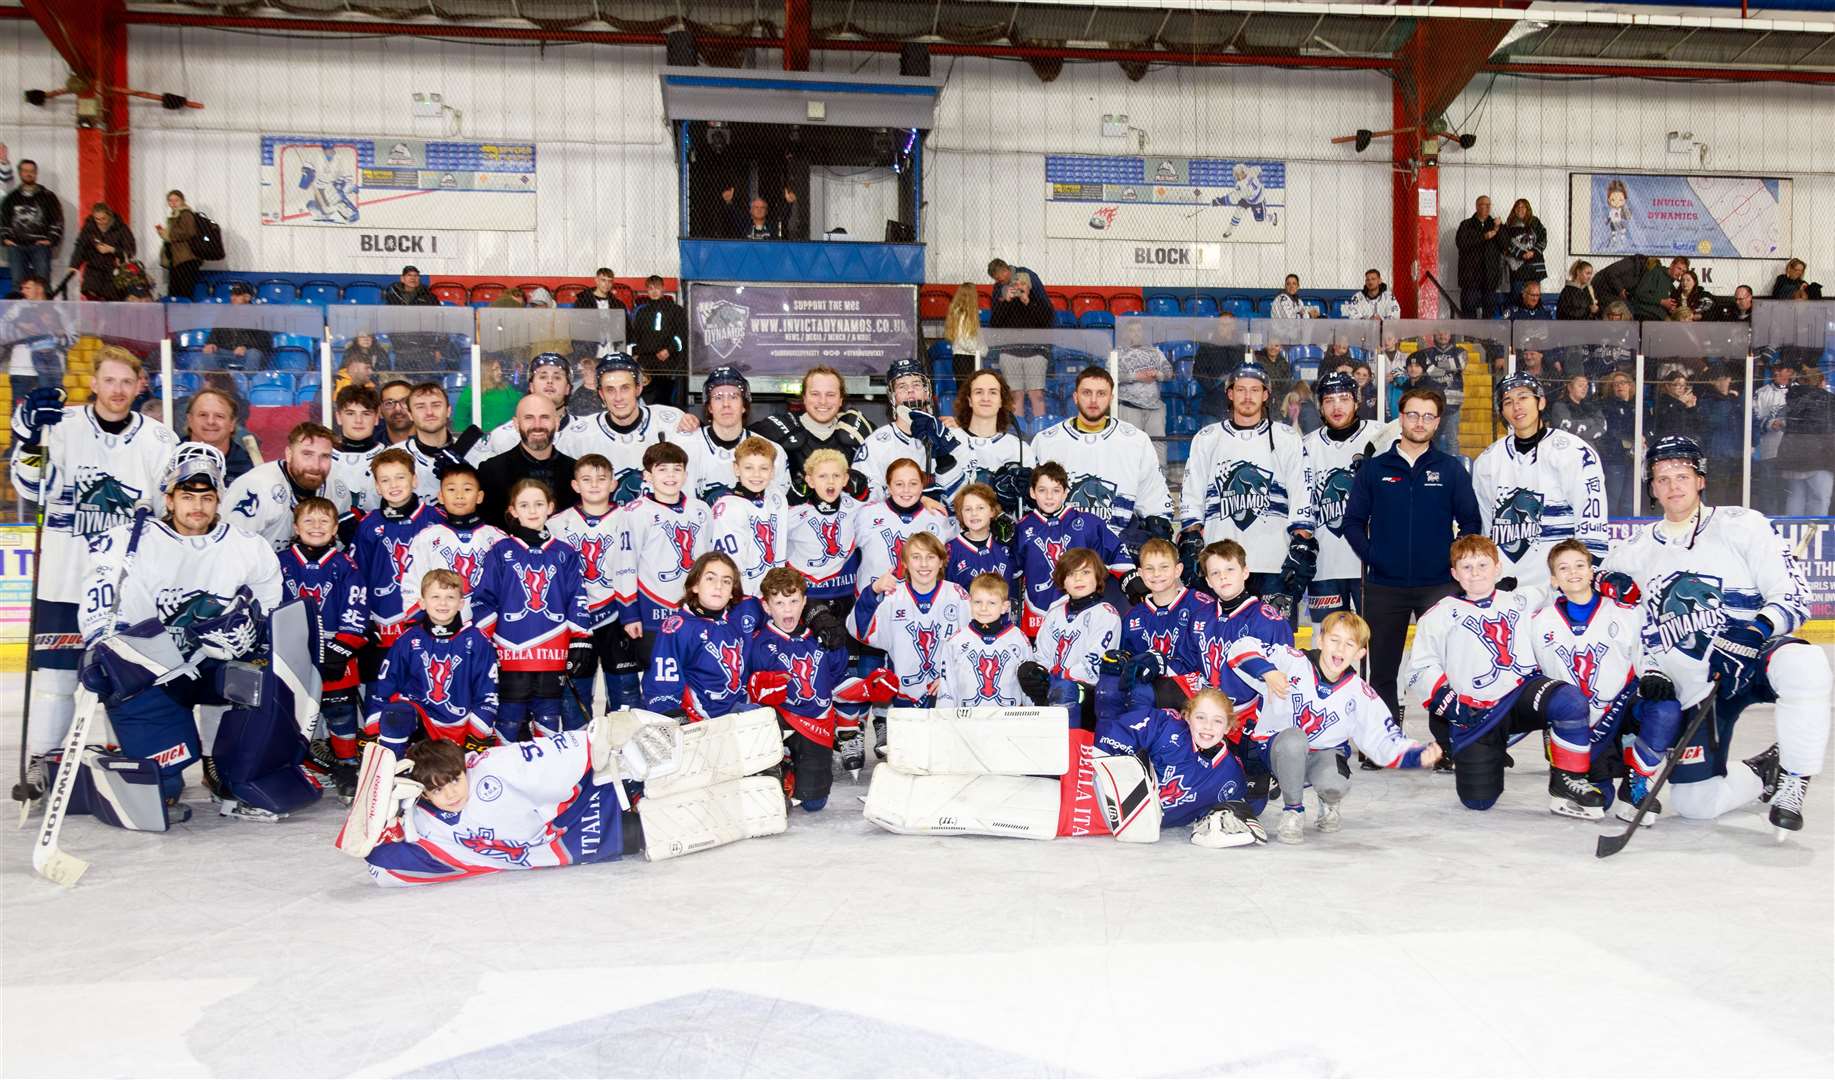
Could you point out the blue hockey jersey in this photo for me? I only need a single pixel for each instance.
(531, 602)
(1150, 628)
(813, 673)
(339, 601)
(384, 541)
(697, 666)
(1204, 651)
(1040, 542)
(1191, 782)
(449, 678)
(969, 559)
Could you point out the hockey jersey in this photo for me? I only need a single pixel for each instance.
(911, 629)
(1071, 641)
(1247, 485)
(880, 530)
(592, 537)
(697, 667)
(1191, 782)
(1202, 654)
(88, 481)
(886, 445)
(384, 541)
(1480, 648)
(426, 467)
(350, 467)
(822, 547)
(449, 678)
(969, 559)
(499, 440)
(978, 459)
(331, 583)
(981, 667)
(755, 532)
(1149, 628)
(1530, 502)
(1329, 465)
(1597, 650)
(530, 602)
(622, 446)
(710, 465)
(1114, 473)
(176, 579)
(1332, 712)
(1730, 567)
(1040, 542)
(654, 547)
(813, 674)
(447, 546)
(262, 501)
(798, 438)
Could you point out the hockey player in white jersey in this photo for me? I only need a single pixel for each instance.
(89, 468)
(1246, 481)
(981, 662)
(915, 432)
(657, 539)
(548, 376)
(1246, 197)
(712, 449)
(331, 183)
(751, 521)
(357, 446)
(1331, 456)
(1113, 469)
(590, 529)
(987, 440)
(1473, 666)
(1720, 596)
(457, 542)
(262, 499)
(910, 619)
(882, 526)
(625, 429)
(1536, 487)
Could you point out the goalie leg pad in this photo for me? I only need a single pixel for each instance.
(707, 817)
(720, 749)
(157, 724)
(1022, 806)
(115, 790)
(259, 752)
(383, 794)
(1001, 742)
(1130, 801)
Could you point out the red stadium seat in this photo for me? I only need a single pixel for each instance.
(933, 304)
(487, 291)
(1126, 303)
(1058, 300)
(450, 292)
(1083, 302)
(624, 293)
(564, 294)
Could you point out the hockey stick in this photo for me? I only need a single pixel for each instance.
(1612, 845)
(24, 792)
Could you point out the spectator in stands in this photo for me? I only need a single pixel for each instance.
(1524, 242)
(31, 225)
(659, 340)
(1216, 359)
(532, 458)
(1443, 366)
(1742, 305)
(1337, 354)
(962, 322)
(1575, 411)
(1482, 272)
(1020, 284)
(1578, 300)
(1769, 404)
(601, 295)
(211, 416)
(1020, 302)
(1532, 361)
(1619, 407)
(32, 287)
(760, 226)
(407, 291)
(1273, 358)
(175, 253)
(239, 348)
(584, 400)
(1366, 391)
(1722, 434)
(791, 222)
(498, 403)
(365, 349)
(1298, 409)
(422, 353)
(356, 371)
(104, 242)
(392, 406)
(1693, 303)
(508, 298)
(1618, 311)
(1143, 368)
(1676, 408)
(1803, 453)
(1788, 286)
(1654, 299)
(1618, 280)
(1374, 301)
(1287, 303)
(1528, 303)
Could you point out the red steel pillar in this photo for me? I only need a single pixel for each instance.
(91, 35)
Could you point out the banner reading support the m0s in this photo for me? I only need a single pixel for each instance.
(788, 329)
(1174, 200)
(1716, 217)
(363, 182)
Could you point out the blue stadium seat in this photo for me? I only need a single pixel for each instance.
(1179, 350)
(1341, 309)
(296, 341)
(1166, 306)
(1240, 306)
(191, 360)
(185, 383)
(273, 394)
(259, 379)
(290, 358)
(942, 358)
(221, 292)
(276, 292)
(308, 392)
(320, 292)
(178, 300)
(1200, 307)
(1097, 318)
(1063, 319)
(191, 339)
(362, 292)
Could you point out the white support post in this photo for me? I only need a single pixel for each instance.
(1745, 471)
(325, 379)
(1637, 437)
(477, 389)
(165, 381)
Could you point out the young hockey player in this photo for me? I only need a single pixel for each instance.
(1315, 710)
(981, 661)
(384, 540)
(1190, 776)
(821, 543)
(794, 673)
(1113, 471)
(589, 529)
(1203, 653)
(1592, 641)
(439, 677)
(910, 617)
(313, 568)
(915, 434)
(697, 665)
(656, 539)
(751, 522)
(882, 527)
(974, 550)
(358, 444)
(1720, 596)
(1331, 456)
(713, 451)
(625, 430)
(986, 435)
(1049, 530)
(457, 543)
(1080, 627)
(531, 603)
(1536, 487)
(262, 499)
(1163, 616)
(1473, 665)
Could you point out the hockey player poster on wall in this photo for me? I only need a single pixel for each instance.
(1203, 200)
(1716, 217)
(388, 183)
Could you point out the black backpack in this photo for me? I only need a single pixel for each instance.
(208, 244)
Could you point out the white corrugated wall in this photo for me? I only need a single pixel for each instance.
(45, 135)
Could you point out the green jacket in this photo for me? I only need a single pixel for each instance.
(1652, 289)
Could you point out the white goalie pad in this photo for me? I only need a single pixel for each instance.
(982, 741)
(634, 745)
(384, 793)
(1130, 800)
(1022, 806)
(720, 749)
(708, 817)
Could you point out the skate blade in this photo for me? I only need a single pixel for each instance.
(1625, 810)
(1563, 808)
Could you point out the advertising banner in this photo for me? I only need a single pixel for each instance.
(383, 183)
(1199, 200)
(1721, 217)
(788, 329)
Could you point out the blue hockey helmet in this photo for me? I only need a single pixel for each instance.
(1249, 370)
(903, 366)
(549, 359)
(1521, 380)
(613, 360)
(726, 375)
(1336, 382)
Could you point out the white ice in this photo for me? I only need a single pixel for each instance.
(1423, 940)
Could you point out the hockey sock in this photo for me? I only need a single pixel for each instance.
(1710, 798)
(1799, 675)
(1571, 738)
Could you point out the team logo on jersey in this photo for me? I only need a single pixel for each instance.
(1334, 495)
(1310, 718)
(1244, 492)
(179, 609)
(895, 547)
(439, 671)
(1053, 549)
(924, 640)
(398, 556)
(1211, 653)
(1094, 494)
(102, 502)
(1690, 612)
(246, 505)
(484, 842)
(988, 668)
(1517, 524)
(828, 530)
(535, 581)
(764, 534)
(1064, 640)
(630, 485)
(1173, 791)
(802, 673)
(731, 656)
(1585, 666)
(592, 550)
(314, 593)
(1160, 641)
(465, 564)
(1496, 633)
(682, 538)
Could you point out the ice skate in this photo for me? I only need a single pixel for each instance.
(344, 775)
(240, 811)
(219, 793)
(1631, 791)
(177, 813)
(1291, 828)
(1765, 764)
(1329, 819)
(853, 751)
(1787, 803)
(1573, 795)
(30, 792)
(1230, 826)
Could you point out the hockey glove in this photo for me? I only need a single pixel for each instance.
(232, 635)
(827, 628)
(926, 429)
(768, 687)
(1035, 681)
(1143, 668)
(42, 408)
(881, 685)
(1506, 584)
(580, 660)
(1282, 605)
(1619, 586)
(1133, 587)
(336, 658)
(1113, 662)
(1301, 564)
(1445, 705)
(1002, 529)
(1191, 544)
(1733, 658)
(1655, 686)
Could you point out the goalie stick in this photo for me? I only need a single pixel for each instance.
(1612, 845)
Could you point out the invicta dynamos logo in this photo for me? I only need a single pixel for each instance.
(102, 502)
(723, 326)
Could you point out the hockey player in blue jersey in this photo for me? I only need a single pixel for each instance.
(697, 667)
(975, 549)
(313, 569)
(531, 603)
(1047, 532)
(1171, 767)
(1159, 622)
(1203, 653)
(440, 676)
(458, 542)
(384, 541)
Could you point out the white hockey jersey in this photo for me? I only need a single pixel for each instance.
(1247, 485)
(351, 469)
(426, 478)
(1070, 644)
(880, 531)
(710, 465)
(912, 634)
(1114, 473)
(822, 545)
(262, 501)
(1330, 465)
(176, 579)
(89, 481)
(884, 446)
(624, 448)
(442, 547)
(1331, 714)
(592, 536)
(499, 440)
(756, 533)
(655, 547)
(1481, 648)
(982, 670)
(978, 459)
(1732, 566)
(1528, 503)
(1600, 656)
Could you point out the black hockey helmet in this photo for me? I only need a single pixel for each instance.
(1675, 448)
(1249, 370)
(726, 375)
(1336, 382)
(1520, 380)
(613, 360)
(903, 366)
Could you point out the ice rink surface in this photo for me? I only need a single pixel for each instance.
(1423, 940)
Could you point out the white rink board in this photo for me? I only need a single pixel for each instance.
(1427, 941)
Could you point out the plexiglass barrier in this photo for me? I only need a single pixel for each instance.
(510, 338)
(1461, 358)
(380, 345)
(1041, 366)
(1793, 438)
(260, 363)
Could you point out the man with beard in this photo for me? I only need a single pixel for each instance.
(262, 499)
(392, 407)
(1113, 469)
(533, 457)
(547, 377)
